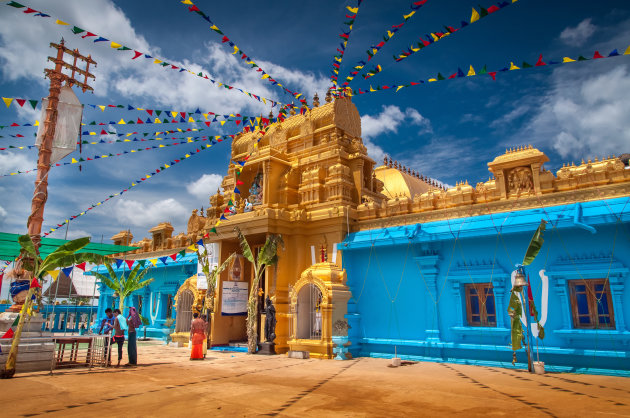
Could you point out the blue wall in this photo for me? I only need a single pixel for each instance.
(408, 286)
(167, 280)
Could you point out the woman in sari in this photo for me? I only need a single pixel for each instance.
(197, 337)
(133, 322)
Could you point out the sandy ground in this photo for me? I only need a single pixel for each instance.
(235, 384)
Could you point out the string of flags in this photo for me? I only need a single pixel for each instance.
(98, 157)
(113, 141)
(19, 102)
(136, 183)
(148, 121)
(345, 35)
(238, 51)
(120, 135)
(433, 37)
(339, 92)
(85, 34)
(373, 50)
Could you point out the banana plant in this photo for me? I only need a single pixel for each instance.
(122, 285)
(64, 256)
(267, 256)
(515, 307)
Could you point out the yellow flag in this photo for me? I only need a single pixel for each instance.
(187, 2)
(409, 15)
(173, 113)
(435, 38)
(389, 34)
(153, 261)
(265, 76)
(471, 71)
(36, 123)
(192, 247)
(115, 45)
(92, 133)
(235, 50)
(222, 122)
(353, 9)
(102, 108)
(7, 101)
(475, 16)
(59, 22)
(214, 27)
(627, 51)
(157, 120)
(74, 161)
(372, 89)
(513, 67)
(415, 49)
(190, 119)
(54, 274)
(166, 166)
(122, 122)
(399, 87)
(567, 59)
(157, 61)
(431, 80)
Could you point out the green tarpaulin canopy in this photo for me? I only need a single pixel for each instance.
(10, 248)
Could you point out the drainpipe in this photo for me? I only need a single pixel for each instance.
(577, 219)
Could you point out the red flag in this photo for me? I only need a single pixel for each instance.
(540, 61)
(206, 235)
(173, 256)
(493, 74)
(81, 266)
(8, 334)
(21, 101)
(138, 54)
(129, 263)
(597, 55)
(530, 296)
(35, 283)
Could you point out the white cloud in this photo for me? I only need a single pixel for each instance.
(148, 214)
(585, 115)
(3, 215)
(510, 117)
(576, 36)
(388, 121)
(205, 185)
(13, 161)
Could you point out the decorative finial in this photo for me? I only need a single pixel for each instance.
(292, 112)
(328, 97)
(315, 100)
(270, 114)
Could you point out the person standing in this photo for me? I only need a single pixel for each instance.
(107, 325)
(120, 325)
(197, 336)
(133, 322)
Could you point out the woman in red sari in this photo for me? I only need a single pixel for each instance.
(197, 337)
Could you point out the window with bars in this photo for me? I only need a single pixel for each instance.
(480, 307)
(591, 304)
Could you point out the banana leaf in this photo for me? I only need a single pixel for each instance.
(535, 244)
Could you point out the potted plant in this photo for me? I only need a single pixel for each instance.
(168, 329)
(340, 339)
(145, 322)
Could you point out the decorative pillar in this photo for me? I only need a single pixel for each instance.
(428, 265)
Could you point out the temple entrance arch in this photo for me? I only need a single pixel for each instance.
(184, 311)
(188, 299)
(309, 313)
(318, 299)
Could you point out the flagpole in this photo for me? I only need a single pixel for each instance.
(40, 194)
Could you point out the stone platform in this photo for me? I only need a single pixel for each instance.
(36, 348)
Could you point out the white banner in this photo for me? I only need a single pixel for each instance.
(213, 262)
(234, 298)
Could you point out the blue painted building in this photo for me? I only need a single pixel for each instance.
(418, 289)
(156, 302)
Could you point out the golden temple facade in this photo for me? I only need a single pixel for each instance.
(311, 180)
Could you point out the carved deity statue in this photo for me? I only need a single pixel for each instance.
(256, 191)
(520, 180)
(270, 321)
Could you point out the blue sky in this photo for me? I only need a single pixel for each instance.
(447, 130)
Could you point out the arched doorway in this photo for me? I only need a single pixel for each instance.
(184, 311)
(309, 313)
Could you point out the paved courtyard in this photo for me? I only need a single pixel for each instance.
(235, 384)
